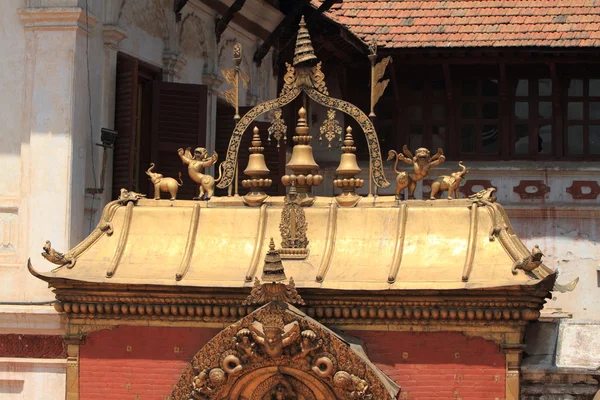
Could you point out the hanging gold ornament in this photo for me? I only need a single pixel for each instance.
(278, 127)
(330, 128)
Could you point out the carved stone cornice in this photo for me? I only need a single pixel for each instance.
(173, 63)
(112, 35)
(58, 18)
(213, 82)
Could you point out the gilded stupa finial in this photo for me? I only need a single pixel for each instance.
(257, 171)
(304, 50)
(346, 171)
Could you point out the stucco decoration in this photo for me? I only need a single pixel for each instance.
(192, 39)
(148, 15)
(279, 352)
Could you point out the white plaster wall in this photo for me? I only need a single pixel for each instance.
(27, 379)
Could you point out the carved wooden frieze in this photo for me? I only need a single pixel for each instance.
(278, 352)
(584, 190)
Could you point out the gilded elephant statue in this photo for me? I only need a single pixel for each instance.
(448, 183)
(162, 184)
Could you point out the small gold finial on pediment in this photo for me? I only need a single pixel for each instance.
(271, 288)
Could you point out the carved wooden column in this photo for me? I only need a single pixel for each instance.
(213, 82)
(73, 341)
(513, 348)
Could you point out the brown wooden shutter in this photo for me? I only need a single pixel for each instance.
(178, 121)
(274, 157)
(125, 123)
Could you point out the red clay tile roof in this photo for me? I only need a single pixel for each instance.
(474, 23)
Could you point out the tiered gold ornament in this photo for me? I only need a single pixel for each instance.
(257, 171)
(345, 173)
(302, 163)
(273, 269)
(304, 51)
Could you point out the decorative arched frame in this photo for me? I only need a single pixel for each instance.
(279, 351)
(310, 81)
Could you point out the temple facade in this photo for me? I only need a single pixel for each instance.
(299, 200)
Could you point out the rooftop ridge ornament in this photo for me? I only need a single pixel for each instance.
(258, 172)
(345, 173)
(302, 163)
(232, 76)
(302, 78)
(377, 71)
(271, 289)
(304, 51)
(293, 227)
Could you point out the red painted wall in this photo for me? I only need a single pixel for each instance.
(437, 365)
(148, 371)
(441, 365)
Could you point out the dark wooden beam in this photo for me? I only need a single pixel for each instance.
(222, 22)
(177, 7)
(285, 23)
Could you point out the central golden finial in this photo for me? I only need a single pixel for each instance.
(257, 171)
(304, 50)
(302, 163)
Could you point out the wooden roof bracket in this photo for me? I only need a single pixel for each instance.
(221, 23)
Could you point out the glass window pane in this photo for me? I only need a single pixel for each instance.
(438, 138)
(545, 87)
(522, 88)
(575, 87)
(575, 139)
(438, 112)
(489, 87)
(521, 139)
(594, 87)
(594, 110)
(594, 139)
(522, 110)
(490, 139)
(415, 137)
(414, 112)
(575, 110)
(545, 139)
(490, 110)
(545, 109)
(438, 88)
(468, 139)
(469, 88)
(469, 110)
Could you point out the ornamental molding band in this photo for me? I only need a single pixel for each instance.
(278, 352)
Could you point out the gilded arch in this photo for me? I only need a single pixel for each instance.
(312, 82)
(277, 352)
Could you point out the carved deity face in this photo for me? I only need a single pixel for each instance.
(245, 340)
(273, 337)
(305, 342)
(200, 153)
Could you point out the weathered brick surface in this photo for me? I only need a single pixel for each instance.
(442, 365)
(147, 372)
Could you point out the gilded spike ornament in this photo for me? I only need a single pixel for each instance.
(377, 71)
(345, 173)
(293, 227)
(330, 128)
(278, 128)
(302, 163)
(304, 50)
(257, 171)
(232, 77)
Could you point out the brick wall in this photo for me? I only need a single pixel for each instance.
(137, 363)
(143, 363)
(442, 365)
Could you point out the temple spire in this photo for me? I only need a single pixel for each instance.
(273, 269)
(304, 51)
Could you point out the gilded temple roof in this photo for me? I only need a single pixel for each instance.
(381, 244)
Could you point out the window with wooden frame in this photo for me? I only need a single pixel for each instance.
(153, 119)
(582, 101)
(423, 117)
(532, 127)
(478, 118)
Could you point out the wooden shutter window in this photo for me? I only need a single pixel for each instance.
(178, 121)
(125, 123)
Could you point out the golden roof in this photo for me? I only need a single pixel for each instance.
(381, 244)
